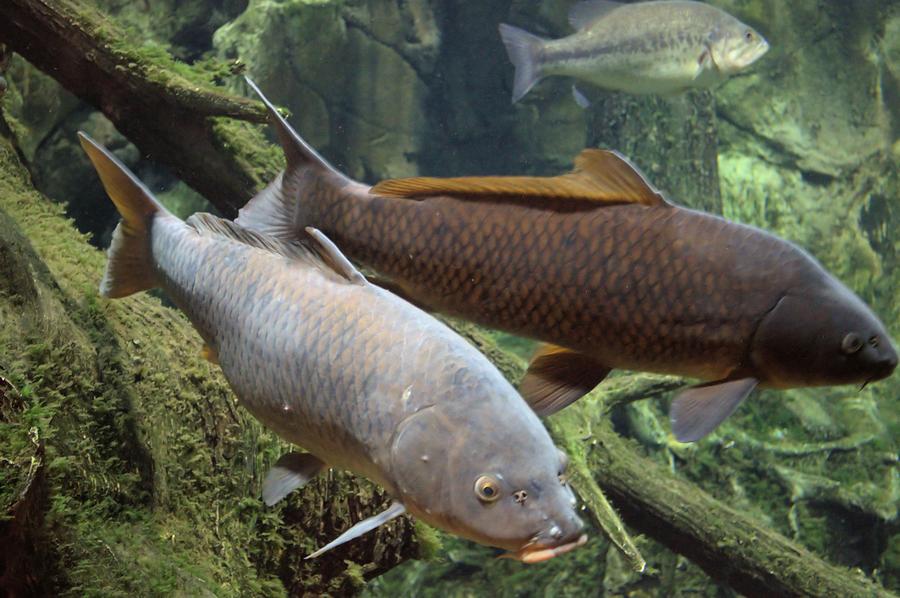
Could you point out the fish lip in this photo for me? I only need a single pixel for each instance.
(534, 552)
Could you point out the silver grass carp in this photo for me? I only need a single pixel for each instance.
(662, 47)
(358, 377)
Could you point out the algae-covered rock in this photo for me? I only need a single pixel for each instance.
(352, 73)
(817, 100)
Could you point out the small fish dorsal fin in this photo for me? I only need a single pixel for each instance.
(584, 14)
(599, 175)
(315, 248)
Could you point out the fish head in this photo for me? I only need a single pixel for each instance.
(492, 477)
(734, 46)
(819, 336)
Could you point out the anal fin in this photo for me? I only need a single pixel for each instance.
(557, 377)
(290, 472)
(698, 410)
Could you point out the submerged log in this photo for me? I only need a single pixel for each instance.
(67, 41)
(169, 114)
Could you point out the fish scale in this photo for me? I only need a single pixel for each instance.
(558, 276)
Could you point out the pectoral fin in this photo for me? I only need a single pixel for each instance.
(697, 411)
(557, 377)
(291, 471)
(602, 176)
(366, 525)
(580, 98)
(704, 62)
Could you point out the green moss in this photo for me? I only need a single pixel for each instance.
(151, 61)
(429, 540)
(248, 146)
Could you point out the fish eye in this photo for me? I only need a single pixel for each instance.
(874, 341)
(851, 343)
(487, 488)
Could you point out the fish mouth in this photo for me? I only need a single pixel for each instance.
(538, 553)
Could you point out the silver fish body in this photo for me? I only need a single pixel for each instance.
(361, 379)
(661, 47)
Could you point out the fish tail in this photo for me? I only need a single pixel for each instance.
(277, 210)
(130, 267)
(524, 50)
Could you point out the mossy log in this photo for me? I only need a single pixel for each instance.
(730, 546)
(173, 115)
(125, 463)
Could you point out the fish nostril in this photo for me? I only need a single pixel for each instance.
(521, 496)
(555, 532)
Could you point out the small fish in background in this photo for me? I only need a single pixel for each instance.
(361, 379)
(661, 47)
(601, 267)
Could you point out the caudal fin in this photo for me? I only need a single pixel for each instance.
(129, 267)
(274, 211)
(524, 50)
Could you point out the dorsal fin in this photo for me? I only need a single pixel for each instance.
(329, 252)
(584, 14)
(599, 175)
(314, 247)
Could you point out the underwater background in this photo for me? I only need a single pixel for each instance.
(126, 466)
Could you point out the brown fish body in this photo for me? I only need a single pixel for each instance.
(661, 289)
(600, 265)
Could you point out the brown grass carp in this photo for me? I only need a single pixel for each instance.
(361, 379)
(598, 263)
(663, 47)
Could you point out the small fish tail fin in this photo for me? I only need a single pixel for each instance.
(129, 267)
(277, 210)
(524, 50)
